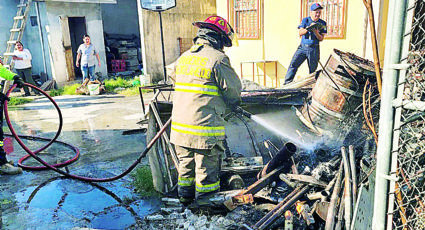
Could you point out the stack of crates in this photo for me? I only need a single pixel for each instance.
(118, 65)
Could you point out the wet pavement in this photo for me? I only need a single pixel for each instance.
(95, 125)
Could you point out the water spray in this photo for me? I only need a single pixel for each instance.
(269, 126)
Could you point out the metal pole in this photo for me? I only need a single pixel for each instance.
(163, 52)
(395, 27)
(369, 7)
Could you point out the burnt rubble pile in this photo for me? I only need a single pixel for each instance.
(313, 198)
(323, 187)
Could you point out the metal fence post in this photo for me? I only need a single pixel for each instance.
(395, 28)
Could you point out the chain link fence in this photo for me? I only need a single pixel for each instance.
(409, 202)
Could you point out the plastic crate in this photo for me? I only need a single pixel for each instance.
(118, 65)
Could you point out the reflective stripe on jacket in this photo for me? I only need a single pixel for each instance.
(206, 85)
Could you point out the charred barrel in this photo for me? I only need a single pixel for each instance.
(338, 90)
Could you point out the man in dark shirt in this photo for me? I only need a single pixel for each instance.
(312, 30)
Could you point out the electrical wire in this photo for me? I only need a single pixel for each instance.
(367, 110)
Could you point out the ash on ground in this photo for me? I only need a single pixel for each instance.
(248, 85)
(240, 218)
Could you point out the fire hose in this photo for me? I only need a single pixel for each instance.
(55, 167)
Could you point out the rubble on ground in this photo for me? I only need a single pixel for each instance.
(250, 85)
(84, 89)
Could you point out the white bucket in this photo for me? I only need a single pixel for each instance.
(144, 80)
(93, 89)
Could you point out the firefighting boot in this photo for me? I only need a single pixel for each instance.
(185, 201)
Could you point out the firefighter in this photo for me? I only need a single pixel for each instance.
(206, 87)
(6, 167)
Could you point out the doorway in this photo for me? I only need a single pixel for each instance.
(77, 29)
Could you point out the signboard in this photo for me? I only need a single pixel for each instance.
(158, 5)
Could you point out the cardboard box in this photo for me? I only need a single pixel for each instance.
(132, 52)
(132, 62)
(124, 56)
(122, 50)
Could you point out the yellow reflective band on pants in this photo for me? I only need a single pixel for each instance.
(1, 143)
(197, 88)
(208, 187)
(186, 181)
(206, 131)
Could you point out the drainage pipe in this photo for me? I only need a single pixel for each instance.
(40, 31)
(395, 27)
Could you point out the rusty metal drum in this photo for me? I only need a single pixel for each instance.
(337, 92)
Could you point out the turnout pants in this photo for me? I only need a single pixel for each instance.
(198, 171)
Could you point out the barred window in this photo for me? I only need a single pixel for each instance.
(333, 14)
(244, 16)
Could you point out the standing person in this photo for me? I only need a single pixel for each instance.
(87, 52)
(22, 64)
(5, 166)
(206, 85)
(312, 30)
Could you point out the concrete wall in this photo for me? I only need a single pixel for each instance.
(280, 38)
(92, 14)
(8, 11)
(177, 22)
(121, 18)
(31, 41)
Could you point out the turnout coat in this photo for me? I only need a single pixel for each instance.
(206, 85)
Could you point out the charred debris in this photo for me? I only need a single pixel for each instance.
(315, 172)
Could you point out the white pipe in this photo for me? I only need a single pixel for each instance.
(142, 37)
(41, 37)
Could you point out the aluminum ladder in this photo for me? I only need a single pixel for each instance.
(19, 22)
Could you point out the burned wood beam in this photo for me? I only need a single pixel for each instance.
(261, 183)
(254, 188)
(307, 179)
(284, 205)
(330, 218)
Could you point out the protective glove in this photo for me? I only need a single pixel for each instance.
(3, 97)
(18, 81)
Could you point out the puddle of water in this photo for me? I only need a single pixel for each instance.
(45, 200)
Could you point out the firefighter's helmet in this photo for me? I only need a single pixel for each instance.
(220, 25)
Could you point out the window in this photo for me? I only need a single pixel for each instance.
(244, 16)
(33, 20)
(333, 13)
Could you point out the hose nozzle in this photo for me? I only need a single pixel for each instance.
(239, 110)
